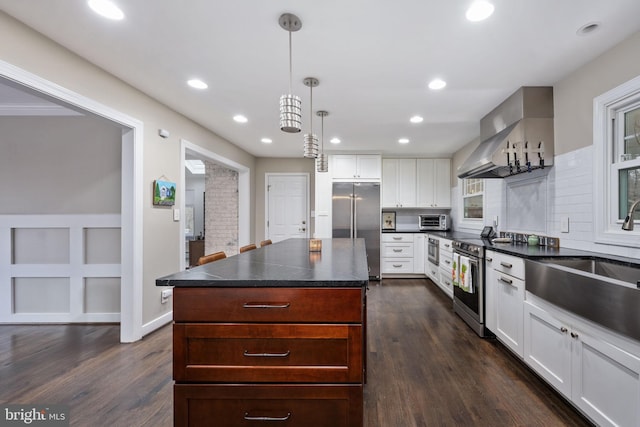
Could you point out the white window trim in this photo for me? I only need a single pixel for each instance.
(471, 223)
(608, 229)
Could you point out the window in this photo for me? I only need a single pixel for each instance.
(472, 197)
(627, 148)
(617, 161)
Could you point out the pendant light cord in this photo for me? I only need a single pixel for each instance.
(290, 63)
(311, 109)
(322, 132)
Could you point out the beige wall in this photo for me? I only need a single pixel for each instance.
(36, 54)
(573, 95)
(281, 165)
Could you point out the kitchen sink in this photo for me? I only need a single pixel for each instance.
(601, 290)
(600, 267)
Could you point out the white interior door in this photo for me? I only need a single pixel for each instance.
(287, 206)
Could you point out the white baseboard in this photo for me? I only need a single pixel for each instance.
(147, 328)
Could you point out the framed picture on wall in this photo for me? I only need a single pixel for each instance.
(388, 220)
(164, 193)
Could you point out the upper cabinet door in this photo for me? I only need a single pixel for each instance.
(399, 183)
(442, 172)
(368, 166)
(389, 183)
(434, 183)
(356, 167)
(344, 166)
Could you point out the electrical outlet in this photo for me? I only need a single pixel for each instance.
(564, 224)
(165, 295)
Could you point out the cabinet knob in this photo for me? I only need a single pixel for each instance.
(574, 335)
(563, 330)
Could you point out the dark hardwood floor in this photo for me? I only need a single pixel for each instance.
(426, 368)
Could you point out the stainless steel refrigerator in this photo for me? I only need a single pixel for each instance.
(356, 214)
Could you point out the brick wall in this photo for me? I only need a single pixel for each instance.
(221, 209)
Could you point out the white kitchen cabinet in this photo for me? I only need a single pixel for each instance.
(397, 253)
(598, 371)
(433, 183)
(547, 350)
(355, 167)
(445, 264)
(508, 292)
(399, 183)
(419, 253)
(489, 293)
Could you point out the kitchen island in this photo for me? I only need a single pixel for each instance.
(276, 334)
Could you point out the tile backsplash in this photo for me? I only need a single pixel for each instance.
(540, 204)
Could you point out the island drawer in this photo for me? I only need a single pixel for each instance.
(283, 405)
(267, 353)
(300, 305)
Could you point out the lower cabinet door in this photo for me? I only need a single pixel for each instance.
(547, 348)
(509, 300)
(606, 381)
(266, 353)
(257, 405)
(397, 265)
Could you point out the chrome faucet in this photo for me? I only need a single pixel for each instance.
(628, 221)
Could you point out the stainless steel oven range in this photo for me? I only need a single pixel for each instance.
(469, 304)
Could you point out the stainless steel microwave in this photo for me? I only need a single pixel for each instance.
(433, 222)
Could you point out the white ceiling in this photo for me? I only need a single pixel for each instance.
(373, 58)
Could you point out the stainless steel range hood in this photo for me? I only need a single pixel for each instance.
(517, 136)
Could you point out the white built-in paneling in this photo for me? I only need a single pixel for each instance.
(60, 268)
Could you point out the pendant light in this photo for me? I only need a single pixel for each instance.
(290, 105)
(322, 162)
(311, 140)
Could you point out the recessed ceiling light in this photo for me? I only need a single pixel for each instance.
(335, 140)
(588, 28)
(240, 118)
(403, 140)
(479, 11)
(197, 84)
(266, 140)
(107, 9)
(416, 119)
(437, 84)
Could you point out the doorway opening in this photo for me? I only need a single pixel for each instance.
(218, 201)
(72, 274)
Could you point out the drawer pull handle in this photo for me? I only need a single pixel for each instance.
(447, 261)
(506, 264)
(397, 250)
(446, 245)
(489, 259)
(285, 354)
(505, 280)
(397, 238)
(252, 418)
(266, 305)
(397, 265)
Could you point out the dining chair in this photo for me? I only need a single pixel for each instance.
(211, 257)
(249, 247)
(265, 242)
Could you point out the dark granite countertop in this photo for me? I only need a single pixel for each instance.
(523, 250)
(342, 262)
